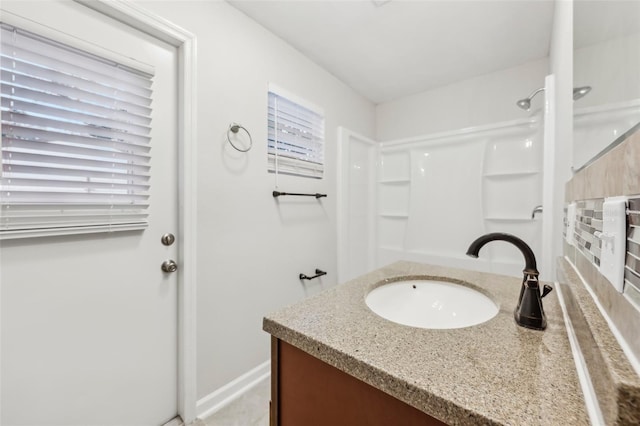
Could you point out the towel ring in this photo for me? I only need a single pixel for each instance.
(235, 128)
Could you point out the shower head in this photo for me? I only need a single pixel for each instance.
(525, 103)
(579, 92)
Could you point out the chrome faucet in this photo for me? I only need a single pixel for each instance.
(536, 209)
(529, 312)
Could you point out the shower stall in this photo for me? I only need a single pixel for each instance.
(426, 198)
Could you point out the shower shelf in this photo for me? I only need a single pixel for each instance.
(394, 181)
(394, 215)
(507, 175)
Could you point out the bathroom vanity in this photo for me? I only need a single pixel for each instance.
(336, 362)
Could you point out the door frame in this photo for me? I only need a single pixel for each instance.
(344, 143)
(143, 20)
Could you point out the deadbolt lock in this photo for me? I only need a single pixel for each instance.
(168, 239)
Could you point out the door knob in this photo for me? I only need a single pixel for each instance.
(169, 266)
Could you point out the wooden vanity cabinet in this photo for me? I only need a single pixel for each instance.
(307, 391)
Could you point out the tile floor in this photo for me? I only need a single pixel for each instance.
(251, 409)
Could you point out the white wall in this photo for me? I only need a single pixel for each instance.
(251, 248)
(485, 99)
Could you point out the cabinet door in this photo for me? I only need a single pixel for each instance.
(307, 391)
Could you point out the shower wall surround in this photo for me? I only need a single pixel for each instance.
(437, 193)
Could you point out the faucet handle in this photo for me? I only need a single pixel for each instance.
(546, 289)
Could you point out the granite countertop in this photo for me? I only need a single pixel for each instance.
(495, 373)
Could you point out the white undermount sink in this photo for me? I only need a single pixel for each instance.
(431, 304)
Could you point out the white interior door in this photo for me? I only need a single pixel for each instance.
(89, 322)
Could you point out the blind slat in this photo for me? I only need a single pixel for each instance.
(16, 104)
(36, 43)
(287, 125)
(9, 76)
(117, 79)
(104, 85)
(73, 161)
(295, 167)
(11, 167)
(297, 116)
(64, 148)
(18, 131)
(29, 182)
(34, 197)
(290, 153)
(67, 124)
(50, 98)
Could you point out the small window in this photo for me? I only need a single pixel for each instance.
(296, 136)
(75, 140)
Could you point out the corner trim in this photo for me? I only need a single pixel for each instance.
(342, 191)
(589, 393)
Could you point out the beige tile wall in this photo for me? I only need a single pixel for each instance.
(614, 174)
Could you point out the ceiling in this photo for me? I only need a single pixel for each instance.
(387, 50)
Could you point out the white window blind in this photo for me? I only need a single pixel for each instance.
(296, 137)
(75, 140)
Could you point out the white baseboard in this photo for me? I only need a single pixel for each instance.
(232, 390)
(176, 421)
